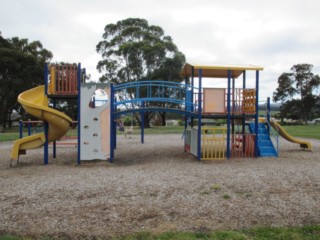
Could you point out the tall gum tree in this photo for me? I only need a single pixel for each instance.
(132, 50)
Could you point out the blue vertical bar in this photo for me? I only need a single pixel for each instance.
(234, 104)
(199, 114)
(46, 73)
(46, 125)
(29, 127)
(244, 87)
(46, 144)
(142, 123)
(257, 115)
(228, 113)
(111, 122)
(192, 88)
(187, 108)
(268, 115)
(54, 142)
(79, 113)
(115, 134)
(21, 128)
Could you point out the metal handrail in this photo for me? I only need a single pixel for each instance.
(274, 134)
(155, 91)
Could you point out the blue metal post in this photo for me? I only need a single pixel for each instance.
(199, 115)
(228, 113)
(111, 123)
(268, 115)
(192, 89)
(21, 128)
(79, 112)
(46, 74)
(46, 144)
(142, 123)
(185, 116)
(257, 115)
(115, 135)
(46, 125)
(29, 127)
(54, 142)
(243, 87)
(234, 105)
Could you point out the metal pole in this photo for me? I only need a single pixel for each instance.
(21, 128)
(46, 73)
(142, 123)
(228, 113)
(29, 127)
(54, 142)
(268, 115)
(199, 115)
(186, 109)
(111, 123)
(257, 115)
(79, 112)
(244, 87)
(46, 144)
(192, 90)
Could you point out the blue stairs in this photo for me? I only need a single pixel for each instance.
(265, 145)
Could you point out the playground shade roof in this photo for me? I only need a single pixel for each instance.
(217, 71)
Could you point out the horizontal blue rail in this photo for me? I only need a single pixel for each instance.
(154, 93)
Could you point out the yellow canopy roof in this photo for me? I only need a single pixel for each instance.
(217, 71)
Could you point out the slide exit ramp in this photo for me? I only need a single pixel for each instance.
(303, 144)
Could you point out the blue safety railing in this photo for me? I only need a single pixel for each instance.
(154, 94)
(274, 135)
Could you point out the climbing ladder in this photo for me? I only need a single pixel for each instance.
(265, 145)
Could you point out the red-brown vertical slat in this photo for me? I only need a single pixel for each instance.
(66, 82)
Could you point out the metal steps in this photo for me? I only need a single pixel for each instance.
(265, 145)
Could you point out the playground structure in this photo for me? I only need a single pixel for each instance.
(243, 133)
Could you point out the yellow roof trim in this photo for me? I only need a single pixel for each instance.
(217, 71)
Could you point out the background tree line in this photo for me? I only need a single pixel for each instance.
(21, 68)
(298, 91)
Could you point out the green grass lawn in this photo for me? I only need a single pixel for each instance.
(306, 131)
(263, 233)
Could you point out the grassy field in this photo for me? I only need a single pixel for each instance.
(307, 131)
(297, 233)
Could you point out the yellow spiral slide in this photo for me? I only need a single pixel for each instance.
(35, 102)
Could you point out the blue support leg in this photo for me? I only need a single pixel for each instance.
(142, 127)
(111, 123)
(79, 113)
(199, 116)
(54, 142)
(46, 144)
(257, 115)
(228, 114)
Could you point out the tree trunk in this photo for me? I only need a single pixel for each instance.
(163, 118)
(147, 118)
(4, 116)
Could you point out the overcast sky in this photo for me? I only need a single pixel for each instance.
(273, 34)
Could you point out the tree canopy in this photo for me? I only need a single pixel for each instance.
(132, 50)
(21, 68)
(298, 90)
